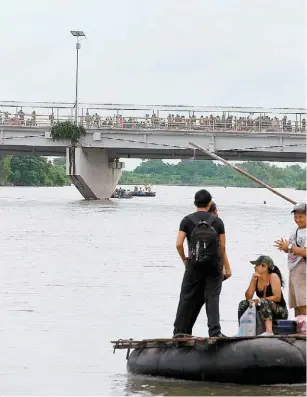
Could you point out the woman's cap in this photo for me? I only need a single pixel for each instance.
(300, 207)
(264, 260)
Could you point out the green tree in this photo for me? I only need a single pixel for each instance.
(301, 185)
(5, 169)
(206, 172)
(152, 167)
(58, 176)
(28, 171)
(66, 130)
(36, 171)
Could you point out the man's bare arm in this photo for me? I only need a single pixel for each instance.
(179, 245)
(222, 239)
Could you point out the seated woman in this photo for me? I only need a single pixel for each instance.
(266, 282)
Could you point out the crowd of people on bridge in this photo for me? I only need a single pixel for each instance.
(193, 122)
(20, 118)
(225, 121)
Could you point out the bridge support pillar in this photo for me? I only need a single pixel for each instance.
(93, 172)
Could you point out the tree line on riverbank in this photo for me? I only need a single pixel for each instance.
(207, 172)
(32, 171)
(39, 171)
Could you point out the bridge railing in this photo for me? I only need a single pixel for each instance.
(195, 124)
(28, 120)
(207, 124)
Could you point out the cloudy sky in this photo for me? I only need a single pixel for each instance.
(195, 52)
(202, 52)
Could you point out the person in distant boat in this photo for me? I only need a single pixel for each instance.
(296, 249)
(121, 192)
(266, 282)
(140, 192)
(202, 281)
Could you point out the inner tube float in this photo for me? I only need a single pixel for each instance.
(255, 360)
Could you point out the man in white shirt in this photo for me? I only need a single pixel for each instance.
(296, 249)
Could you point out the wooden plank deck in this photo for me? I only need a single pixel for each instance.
(193, 341)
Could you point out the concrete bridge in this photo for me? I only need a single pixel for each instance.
(95, 165)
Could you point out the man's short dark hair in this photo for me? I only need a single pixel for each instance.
(212, 207)
(202, 198)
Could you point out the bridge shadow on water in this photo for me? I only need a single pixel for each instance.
(157, 386)
(103, 203)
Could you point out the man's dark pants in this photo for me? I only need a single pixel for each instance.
(198, 288)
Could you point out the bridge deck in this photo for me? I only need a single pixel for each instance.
(129, 143)
(152, 131)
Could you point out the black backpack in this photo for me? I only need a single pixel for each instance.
(204, 243)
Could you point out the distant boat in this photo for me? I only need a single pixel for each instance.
(122, 194)
(141, 193)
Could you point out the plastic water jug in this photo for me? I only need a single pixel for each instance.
(248, 322)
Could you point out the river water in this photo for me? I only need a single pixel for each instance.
(75, 275)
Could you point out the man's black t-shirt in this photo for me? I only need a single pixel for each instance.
(187, 225)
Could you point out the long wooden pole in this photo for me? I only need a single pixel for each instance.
(216, 157)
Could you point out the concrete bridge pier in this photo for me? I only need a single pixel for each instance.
(93, 172)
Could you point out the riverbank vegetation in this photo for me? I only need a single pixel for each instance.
(206, 173)
(39, 171)
(31, 171)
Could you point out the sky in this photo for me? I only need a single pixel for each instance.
(192, 52)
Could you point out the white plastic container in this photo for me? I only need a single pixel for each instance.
(248, 322)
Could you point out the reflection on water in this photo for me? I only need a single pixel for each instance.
(145, 385)
(75, 275)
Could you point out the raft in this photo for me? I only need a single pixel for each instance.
(242, 360)
(144, 194)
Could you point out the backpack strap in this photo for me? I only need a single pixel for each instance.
(297, 244)
(193, 219)
(196, 221)
(211, 219)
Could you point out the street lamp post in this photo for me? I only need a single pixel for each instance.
(78, 34)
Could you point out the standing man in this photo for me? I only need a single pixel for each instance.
(296, 249)
(202, 279)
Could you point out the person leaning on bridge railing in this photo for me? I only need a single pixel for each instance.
(201, 122)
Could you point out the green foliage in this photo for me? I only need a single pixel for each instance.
(5, 169)
(31, 171)
(206, 172)
(56, 176)
(67, 130)
(301, 186)
(27, 171)
(38, 171)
